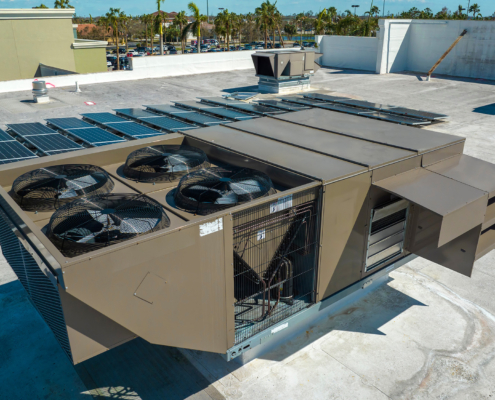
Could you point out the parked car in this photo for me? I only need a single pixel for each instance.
(248, 47)
(124, 64)
(170, 48)
(212, 50)
(296, 44)
(172, 51)
(259, 47)
(204, 48)
(278, 46)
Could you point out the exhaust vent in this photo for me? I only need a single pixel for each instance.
(95, 222)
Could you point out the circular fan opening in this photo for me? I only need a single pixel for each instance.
(49, 188)
(214, 189)
(95, 222)
(164, 163)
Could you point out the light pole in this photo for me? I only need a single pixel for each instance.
(355, 6)
(383, 7)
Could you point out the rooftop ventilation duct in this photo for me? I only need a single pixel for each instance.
(40, 92)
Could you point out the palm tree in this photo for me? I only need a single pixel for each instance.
(320, 21)
(196, 25)
(332, 13)
(125, 20)
(290, 30)
(250, 19)
(475, 9)
(105, 23)
(180, 20)
(226, 20)
(62, 4)
(158, 2)
(300, 18)
(41, 6)
(114, 17)
(264, 18)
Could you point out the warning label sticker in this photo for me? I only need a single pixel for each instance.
(211, 227)
(281, 204)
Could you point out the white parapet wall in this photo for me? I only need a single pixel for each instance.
(348, 52)
(416, 45)
(148, 67)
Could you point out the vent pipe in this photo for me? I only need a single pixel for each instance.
(40, 92)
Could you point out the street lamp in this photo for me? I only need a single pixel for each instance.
(355, 6)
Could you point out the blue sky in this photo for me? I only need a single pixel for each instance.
(97, 7)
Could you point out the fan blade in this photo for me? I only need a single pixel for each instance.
(230, 198)
(246, 186)
(138, 225)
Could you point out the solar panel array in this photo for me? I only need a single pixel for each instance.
(68, 123)
(95, 136)
(283, 105)
(133, 130)
(239, 105)
(11, 151)
(216, 110)
(135, 113)
(168, 124)
(103, 118)
(188, 115)
(5, 137)
(44, 139)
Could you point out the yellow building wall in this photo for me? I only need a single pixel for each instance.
(26, 43)
(90, 60)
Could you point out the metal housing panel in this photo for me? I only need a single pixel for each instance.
(442, 154)
(419, 140)
(459, 207)
(350, 149)
(344, 231)
(396, 168)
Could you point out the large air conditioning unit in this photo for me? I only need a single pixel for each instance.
(222, 238)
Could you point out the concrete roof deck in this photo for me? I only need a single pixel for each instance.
(428, 333)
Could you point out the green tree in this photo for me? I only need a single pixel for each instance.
(264, 18)
(226, 19)
(160, 21)
(290, 30)
(332, 13)
(301, 18)
(181, 21)
(475, 9)
(147, 20)
(41, 6)
(105, 23)
(114, 18)
(195, 26)
(319, 22)
(62, 4)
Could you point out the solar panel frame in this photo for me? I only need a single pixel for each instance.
(409, 112)
(52, 142)
(217, 110)
(30, 129)
(283, 105)
(9, 151)
(168, 124)
(69, 123)
(5, 137)
(168, 109)
(104, 118)
(133, 129)
(95, 136)
(135, 113)
(203, 119)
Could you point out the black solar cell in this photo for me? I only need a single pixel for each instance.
(5, 137)
(52, 142)
(133, 129)
(68, 123)
(135, 112)
(103, 118)
(95, 136)
(168, 123)
(14, 151)
(30, 129)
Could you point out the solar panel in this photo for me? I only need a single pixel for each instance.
(135, 113)
(30, 129)
(95, 136)
(5, 137)
(303, 101)
(168, 123)
(409, 112)
(168, 109)
(283, 105)
(134, 130)
(239, 105)
(202, 118)
(53, 142)
(400, 119)
(364, 104)
(104, 117)
(344, 108)
(220, 100)
(324, 97)
(69, 123)
(216, 110)
(14, 151)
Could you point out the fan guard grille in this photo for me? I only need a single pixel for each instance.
(94, 222)
(164, 163)
(214, 189)
(51, 187)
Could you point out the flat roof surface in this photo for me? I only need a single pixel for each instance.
(312, 164)
(358, 151)
(401, 136)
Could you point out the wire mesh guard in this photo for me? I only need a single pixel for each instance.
(51, 187)
(275, 262)
(213, 189)
(98, 221)
(164, 163)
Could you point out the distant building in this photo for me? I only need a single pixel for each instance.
(43, 42)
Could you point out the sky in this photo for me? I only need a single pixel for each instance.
(132, 7)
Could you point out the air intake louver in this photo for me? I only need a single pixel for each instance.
(41, 291)
(387, 230)
(51, 187)
(214, 189)
(164, 163)
(95, 222)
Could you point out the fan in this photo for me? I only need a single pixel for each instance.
(51, 187)
(94, 222)
(164, 163)
(213, 189)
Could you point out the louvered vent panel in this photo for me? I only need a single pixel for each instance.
(41, 291)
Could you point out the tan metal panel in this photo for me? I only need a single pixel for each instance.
(344, 231)
(486, 243)
(396, 168)
(90, 332)
(190, 312)
(459, 207)
(229, 278)
(404, 137)
(442, 154)
(469, 170)
(346, 148)
(295, 159)
(489, 217)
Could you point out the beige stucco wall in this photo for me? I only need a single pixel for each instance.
(26, 43)
(90, 60)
